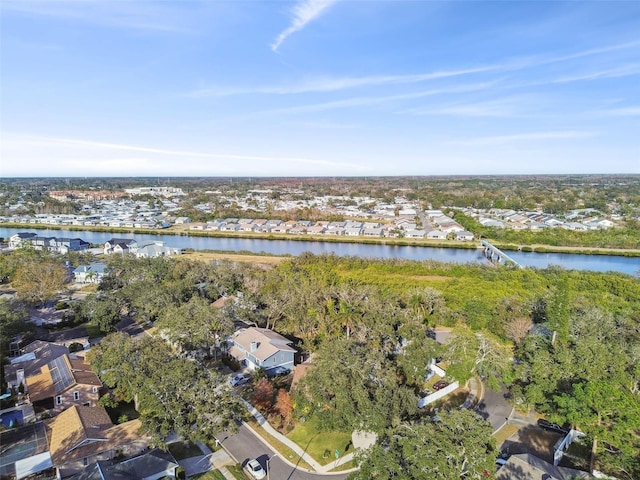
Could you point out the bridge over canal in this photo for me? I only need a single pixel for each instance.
(497, 256)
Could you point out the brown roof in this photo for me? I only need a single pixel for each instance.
(80, 432)
(268, 342)
(82, 372)
(41, 386)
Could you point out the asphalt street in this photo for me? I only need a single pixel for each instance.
(245, 445)
(495, 408)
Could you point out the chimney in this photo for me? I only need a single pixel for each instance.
(253, 347)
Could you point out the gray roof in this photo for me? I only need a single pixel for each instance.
(529, 467)
(144, 466)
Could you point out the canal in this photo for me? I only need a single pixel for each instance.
(601, 263)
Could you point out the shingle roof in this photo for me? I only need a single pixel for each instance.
(80, 432)
(268, 342)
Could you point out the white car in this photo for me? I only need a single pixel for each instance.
(239, 379)
(255, 469)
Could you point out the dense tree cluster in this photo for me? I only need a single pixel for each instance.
(565, 342)
(172, 394)
(454, 445)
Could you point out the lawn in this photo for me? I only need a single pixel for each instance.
(321, 445)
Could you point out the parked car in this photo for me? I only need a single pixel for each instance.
(239, 379)
(278, 371)
(552, 427)
(255, 470)
(440, 385)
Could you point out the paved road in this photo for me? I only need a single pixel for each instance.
(129, 326)
(495, 408)
(244, 445)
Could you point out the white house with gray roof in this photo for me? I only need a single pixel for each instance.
(262, 348)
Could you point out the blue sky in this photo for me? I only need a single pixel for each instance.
(311, 87)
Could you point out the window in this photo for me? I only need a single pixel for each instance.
(59, 400)
(76, 396)
(274, 359)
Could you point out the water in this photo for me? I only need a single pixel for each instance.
(600, 263)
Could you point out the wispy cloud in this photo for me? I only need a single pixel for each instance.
(522, 137)
(122, 14)
(623, 112)
(370, 101)
(332, 84)
(303, 12)
(498, 108)
(617, 72)
(27, 141)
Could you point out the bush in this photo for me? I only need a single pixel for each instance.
(231, 362)
(61, 305)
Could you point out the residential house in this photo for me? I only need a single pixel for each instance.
(262, 348)
(315, 230)
(120, 245)
(81, 435)
(16, 461)
(18, 240)
(89, 273)
(415, 233)
(62, 382)
(151, 465)
(464, 236)
(32, 358)
(525, 465)
(155, 248)
(68, 337)
(182, 220)
(372, 232)
(437, 235)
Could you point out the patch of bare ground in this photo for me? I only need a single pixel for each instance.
(263, 260)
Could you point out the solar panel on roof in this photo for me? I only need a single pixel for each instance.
(60, 374)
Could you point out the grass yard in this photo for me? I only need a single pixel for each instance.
(321, 445)
(93, 330)
(280, 447)
(182, 450)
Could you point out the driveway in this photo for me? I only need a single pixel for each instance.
(245, 445)
(130, 327)
(494, 408)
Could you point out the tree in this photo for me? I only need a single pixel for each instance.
(479, 353)
(39, 282)
(517, 329)
(104, 311)
(263, 394)
(194, 325)
(456, 444)
(284, 406)
(12, 322)
(171, 394)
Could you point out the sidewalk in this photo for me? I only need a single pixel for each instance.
(317, 468)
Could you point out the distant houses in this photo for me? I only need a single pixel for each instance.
(144, 249)
(52, 244)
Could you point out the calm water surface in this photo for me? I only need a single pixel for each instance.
(600, 263)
